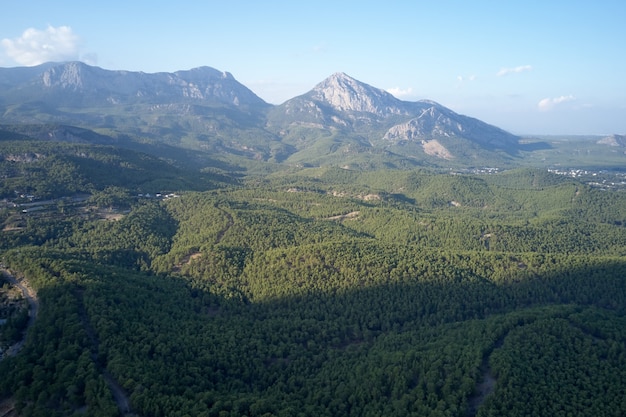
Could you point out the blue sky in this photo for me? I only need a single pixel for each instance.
(529, 67)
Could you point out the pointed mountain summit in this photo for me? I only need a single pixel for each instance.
(362, 118)
(341, 102)
(345, 94)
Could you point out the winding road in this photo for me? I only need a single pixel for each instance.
(487, 384)
(33, 308)
(119, 395)
(229, 223)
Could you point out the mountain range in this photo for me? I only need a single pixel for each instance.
(341, 121)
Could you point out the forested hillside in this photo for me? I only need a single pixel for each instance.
(313, 292)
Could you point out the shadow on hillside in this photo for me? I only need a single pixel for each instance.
(517, 150)
(179, 156)
(417, 339)
(534, 146)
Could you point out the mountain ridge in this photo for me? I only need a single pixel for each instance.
(209, 110)
(116, 86)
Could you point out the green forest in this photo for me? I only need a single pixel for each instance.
(163, 291)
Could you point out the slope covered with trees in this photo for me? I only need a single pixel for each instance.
(323, 292)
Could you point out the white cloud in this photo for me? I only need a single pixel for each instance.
(549, 103)
(461, 78)
(398, 92)
(515, 70)
(35, 46)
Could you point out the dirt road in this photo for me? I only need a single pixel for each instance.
(33, 308)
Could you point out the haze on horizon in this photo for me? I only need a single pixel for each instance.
(528, 67)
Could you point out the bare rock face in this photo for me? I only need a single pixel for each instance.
(431, 122)
(344, 93)
(97, 85)
(68, 76)
(437, 121)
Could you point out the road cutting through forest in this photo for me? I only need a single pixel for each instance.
(33, 308)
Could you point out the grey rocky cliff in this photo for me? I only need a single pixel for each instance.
(122, 87)
(436, 121)
(344, 93)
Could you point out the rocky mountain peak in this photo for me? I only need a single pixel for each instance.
(344, 93)
(69, 75)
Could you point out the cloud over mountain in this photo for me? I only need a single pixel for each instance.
(35, 46)
(399, 92)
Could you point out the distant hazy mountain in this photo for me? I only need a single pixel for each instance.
(340, 121)
(614, 140)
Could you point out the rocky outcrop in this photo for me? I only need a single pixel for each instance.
(614, 140)
(97, 85)
(344, 93)
(436, 121)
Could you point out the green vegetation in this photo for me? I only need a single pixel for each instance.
(312, 292)
(13, 314)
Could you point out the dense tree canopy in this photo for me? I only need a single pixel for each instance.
(318, 293)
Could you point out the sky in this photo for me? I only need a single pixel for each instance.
(529, 67)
